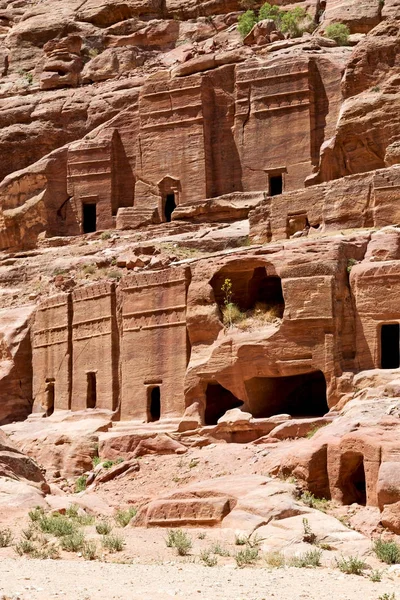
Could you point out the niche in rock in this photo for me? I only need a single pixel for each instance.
(296, 395)
(252, 288)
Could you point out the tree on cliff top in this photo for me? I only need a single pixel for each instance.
(292, 22)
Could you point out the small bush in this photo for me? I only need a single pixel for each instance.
(208, 559)
(310, 500)
(291, 22)
(308, 559)
(386, 596)
(246, 22)
(219, 550)
(36, 514)
(25, 547)
(269, 12)
(113, 543)
(376, 575)
(177, 538)
(294, 22)
(309, 536)
(103, 528)
(73, 543)
(6, 538)
(275, 560)
(124, 517)
(57, 525)
(339, 32)
(96, 461)
(240, 540)
(351, 565)
(106, 235)
(89, 269)
(248, 556)
(89, 550)
(80, 484)
(231, 314)
(388, 552)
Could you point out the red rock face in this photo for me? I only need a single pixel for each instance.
(158, 117)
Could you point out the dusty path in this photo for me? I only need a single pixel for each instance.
(48, 580)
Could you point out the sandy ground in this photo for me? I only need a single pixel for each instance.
(47, 580)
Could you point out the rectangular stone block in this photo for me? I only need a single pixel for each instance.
(192, 511)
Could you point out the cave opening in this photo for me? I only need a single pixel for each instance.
(352, 479)
(218, 401)
(297, 395)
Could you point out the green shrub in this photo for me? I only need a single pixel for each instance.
(240, 540)
(6, 537)
(124, 517)
(57, 525)
(310, 500)
(113, 543)
(103, 528)
(248, 556)
(80, 484)
(177, 538)
(275, 560)
(207, 558)
(246, 22)
(89, 550)
(291, 22)
(387, 596)
(270, 12)
(294, 22)
(231, 314)
(36, 514)
(351, 565)
(309, 537)
(388, 552)
(308, 559)
(376, 575)
(219, 550)
(96, 461)
(339, 32)
(73, 543)
(25, 547)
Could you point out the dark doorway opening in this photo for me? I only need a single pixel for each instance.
(296, 395)
(89, 218)
(91, 394)
(275, 185)
(390, 346)
(49, 397)
(218, 401)
(352, 479)
(154, 405)
(169, 207)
